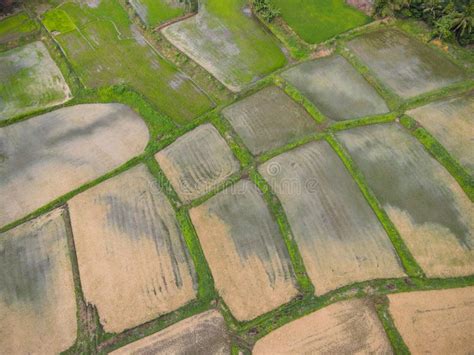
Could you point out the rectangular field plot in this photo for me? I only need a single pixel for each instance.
(427, 206)
(269, 119)
(319, 20)
(245, 251)
(336, 88)
(50, 155)
(348, 327)
(132, 257)
(155, 12)
(451, 122)
(16, 26)
(29, 80)
(435, 322)
(228, 42)
(37, 300)
(407, 66)
(106, 49)
(339, 237)
(202, 334)
(197, 162)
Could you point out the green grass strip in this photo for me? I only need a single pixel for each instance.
(408, 261)
(364, 121)
(277, 210)
(393, 101)
(464, 179)
(398, 345)
(297, 96)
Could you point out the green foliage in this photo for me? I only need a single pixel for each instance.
(452, 19)
(266, 9)
(58, 20)
(317, 21)
(16, 25)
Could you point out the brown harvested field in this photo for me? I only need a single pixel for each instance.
(245, 250)
(346, 327)
(133, 261)
(197, 162)
(435, 322)
(428, 207)
(339, 237)
(49, 155)
(451, 122)
(269, 119)
(37, 300)
(202, 334)
(336, 88)
(407, 66)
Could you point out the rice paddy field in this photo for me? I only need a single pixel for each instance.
(319, 20)
(322, 204)
(228, 42)
(105, 48)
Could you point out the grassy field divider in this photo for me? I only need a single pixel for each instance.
(363, 121)
(305, 285)
(297, 96)
(408, 261)
(206, 290)
(464, 179)
(86, 314)
(393, 101)
(396, 340)
(64, 198)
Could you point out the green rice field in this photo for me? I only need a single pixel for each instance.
(316, 21)
(106, 49)
(16, 26)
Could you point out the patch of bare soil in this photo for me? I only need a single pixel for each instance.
(435, 322)
(346, 327)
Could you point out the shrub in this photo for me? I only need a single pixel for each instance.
(266, 9)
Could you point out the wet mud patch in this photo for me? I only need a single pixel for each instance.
(428, 207)
(37, 290)
(50, 155)
(451, 122)
(245, 250)
(197, 162)
(269, 119)
(408, 67)
(338, 235)
(336, 88)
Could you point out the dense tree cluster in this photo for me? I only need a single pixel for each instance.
(449, 19)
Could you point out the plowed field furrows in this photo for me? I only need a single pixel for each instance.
(49, 155)
(427, 206)
(29, 80)
(336, 88)
(339, 237)
(435, 322)
(269, 119)
(244, 248)
(407, 66)
(227, 41)
(133, 261)
(451, 122)
(36, 288)
(202, 334)
(347, 327)
(197, 162)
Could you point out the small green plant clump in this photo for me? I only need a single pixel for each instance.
(450, 19)
(266, 9)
